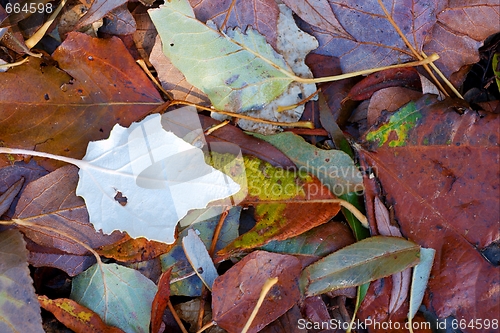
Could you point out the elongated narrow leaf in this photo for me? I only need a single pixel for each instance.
(240, 72)
(334, 168)
(421, 274)
(120, 295)
(368, 260)
(198, 257)
(19, 309)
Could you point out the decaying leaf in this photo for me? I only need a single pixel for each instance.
(142, 178)
(76, 317)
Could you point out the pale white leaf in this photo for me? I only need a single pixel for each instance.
(143, 180)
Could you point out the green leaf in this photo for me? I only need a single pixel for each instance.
(421, 274)
(334, 168)
(368, 260)
(399, 124)
(238, 72)
(120, 295)
(19, 308)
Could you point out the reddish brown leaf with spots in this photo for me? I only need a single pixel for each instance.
(58, 113)
(439, 170)
(235, 294)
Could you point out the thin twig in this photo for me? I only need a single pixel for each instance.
(265, 289)
(304, 124)
(176, 317)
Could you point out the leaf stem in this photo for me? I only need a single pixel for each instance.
(35, 226)
(265, 289)
(15, 151)
(430, 59)
(303, 124)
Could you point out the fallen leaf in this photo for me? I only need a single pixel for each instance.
(119, 21)
(287, 323)
(150, 168)
(399, 77)
(16, 287)
(8, 196)
(249, 144)
(261, 15)
(272, 192)
(430, 26)
(419, 280)
(245, 72)
(334, 168)
(51, 201)
(367, 260)
(160, 302)
(12, 173)
(176, 258)
(132, 250)
(121, 296)
(76, 317)
(389, 99)
(197, 255)
(98, 10)
(45, 256)
(315, 243)
(440, 168)
(235, 293)
(60, 114)
(319, 14)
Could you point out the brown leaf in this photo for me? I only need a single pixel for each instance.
(75, 316)
(235, 294)
(287, 323)
(59, 114)
(249, 145)
(44, 256)
(389, 99)
(51, 201)
(8, 196)
(160, 301)
(131, 250)
(12, 173)
(443, 183)
(398, 77)
(318, 13)
(98, 10)
(119, 21)
(262, 15)
(432, 26)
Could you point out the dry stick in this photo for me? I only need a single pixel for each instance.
(13, 64)
(228, 14)
(33, 40)
(305, 124)
(146, 70)
(265, 289)
(421, 57)
(176, 317)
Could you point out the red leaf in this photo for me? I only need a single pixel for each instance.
(160, 301)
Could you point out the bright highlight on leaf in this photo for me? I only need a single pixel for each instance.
(143, 180)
